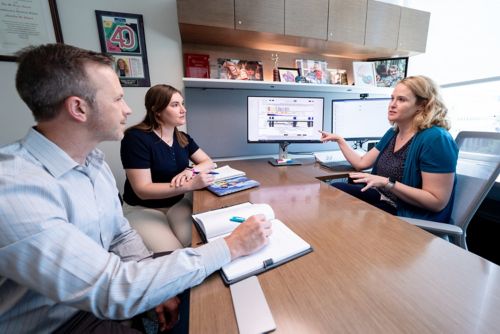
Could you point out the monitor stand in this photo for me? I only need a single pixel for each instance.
(283, 157)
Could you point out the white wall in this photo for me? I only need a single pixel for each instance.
(79, 28)
(463, 40)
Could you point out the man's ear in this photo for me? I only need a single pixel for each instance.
(77, 108)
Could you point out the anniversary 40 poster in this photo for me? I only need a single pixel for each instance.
(122, 36)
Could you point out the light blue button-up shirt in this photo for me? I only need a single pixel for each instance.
(65, 245)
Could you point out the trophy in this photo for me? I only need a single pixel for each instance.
(276, 75)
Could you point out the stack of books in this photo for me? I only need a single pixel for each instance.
(229, 180)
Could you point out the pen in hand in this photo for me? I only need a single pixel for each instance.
(211, 173)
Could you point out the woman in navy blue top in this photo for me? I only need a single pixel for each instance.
(414, 164)
(156, 157)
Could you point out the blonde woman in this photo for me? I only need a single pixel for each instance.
(122, 68)
(413, 165)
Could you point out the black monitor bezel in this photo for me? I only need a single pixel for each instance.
(358, 138)
(284, 140)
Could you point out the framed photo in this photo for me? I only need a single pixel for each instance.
(390, 71)
(196, 65)
(288, 74)
(122, 36)
(236, 69)
(312, 71)
(364, 73)
(25, 23)
(337, 76)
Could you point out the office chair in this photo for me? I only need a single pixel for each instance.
(478, 167)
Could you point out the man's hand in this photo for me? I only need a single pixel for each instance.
(249, 237)
(168, 313)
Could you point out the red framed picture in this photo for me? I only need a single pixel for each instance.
(196, 66)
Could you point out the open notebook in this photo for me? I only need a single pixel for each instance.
(226, 172)
(284, 245)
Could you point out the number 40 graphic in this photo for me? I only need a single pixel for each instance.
(124, 37)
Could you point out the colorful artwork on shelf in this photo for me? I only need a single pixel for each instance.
(235, 69)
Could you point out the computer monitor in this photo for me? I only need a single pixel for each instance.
(359, 120)
(284, 120)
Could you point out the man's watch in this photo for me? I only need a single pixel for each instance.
(390, 184)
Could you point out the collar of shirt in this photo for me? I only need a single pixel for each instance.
(55, 160)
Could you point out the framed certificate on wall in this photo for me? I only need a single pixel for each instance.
(25, 23)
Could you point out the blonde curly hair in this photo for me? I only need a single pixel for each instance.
(434, 111)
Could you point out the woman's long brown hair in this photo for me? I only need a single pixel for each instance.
(157, 99)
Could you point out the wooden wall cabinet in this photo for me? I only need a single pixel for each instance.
(215, 13)
(260, 15)
(347, 21)
(356, 29)
(382, 25)
(306, 18)
(413, 29)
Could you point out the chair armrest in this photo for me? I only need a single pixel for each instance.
(434, 227)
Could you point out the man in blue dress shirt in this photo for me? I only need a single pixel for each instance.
(68, 258)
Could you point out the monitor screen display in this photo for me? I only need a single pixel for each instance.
(290, 119)
(360, 119)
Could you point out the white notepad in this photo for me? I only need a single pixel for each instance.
(250, 307)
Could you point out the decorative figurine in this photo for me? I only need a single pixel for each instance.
(276, 75)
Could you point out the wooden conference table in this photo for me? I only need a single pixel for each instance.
(369, 272)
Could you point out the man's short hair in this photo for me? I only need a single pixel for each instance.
(50, 73)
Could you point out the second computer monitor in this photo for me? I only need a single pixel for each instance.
(364, 119)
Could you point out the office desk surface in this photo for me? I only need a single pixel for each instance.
(369, 273)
